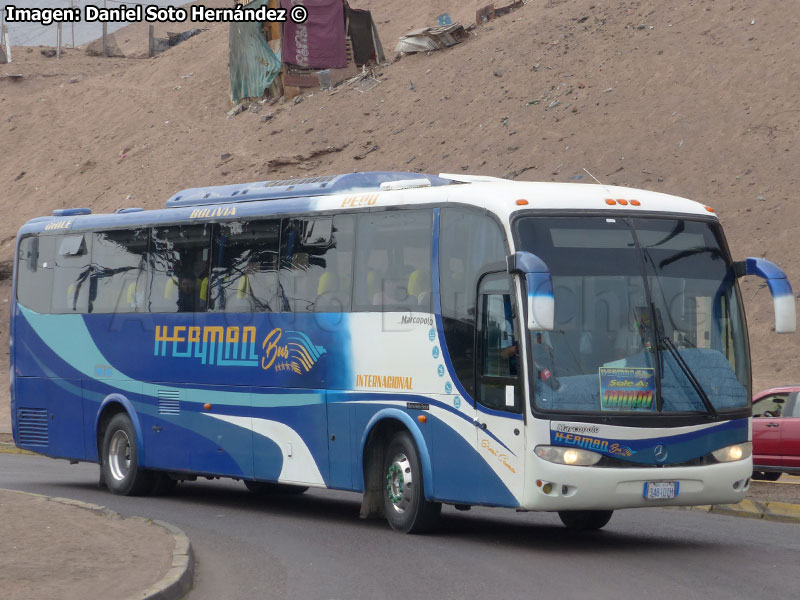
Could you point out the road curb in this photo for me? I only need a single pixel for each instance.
(782, 512)
(12, 449)
(179, 578)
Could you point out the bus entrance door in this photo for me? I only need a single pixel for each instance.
(499, 423)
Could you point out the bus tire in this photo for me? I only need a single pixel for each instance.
(264, 488)
(121, 472)
(403, 491)
(585, 520)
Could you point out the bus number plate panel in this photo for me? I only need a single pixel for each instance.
(660, 490)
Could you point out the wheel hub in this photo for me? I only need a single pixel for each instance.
(398, 482)
(119, 455)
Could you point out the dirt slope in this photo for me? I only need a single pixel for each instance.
(697, 98)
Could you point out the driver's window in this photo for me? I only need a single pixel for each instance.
(770, 406)
(499, 345)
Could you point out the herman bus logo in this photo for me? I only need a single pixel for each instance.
(591, 443)
(236, 346)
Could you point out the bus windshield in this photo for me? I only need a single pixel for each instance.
(648, 317)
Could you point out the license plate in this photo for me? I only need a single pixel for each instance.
(660, 490)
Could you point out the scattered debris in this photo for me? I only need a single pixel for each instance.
(411, 86)
(187, 76)
(238, 109)
(370, 148)
(298, 99)
(75, 80)
(301, 158)
(177, 38)
(489, 12)
(15, 76)
(485, 14)
(267, 117)
(365, 84)
(431, 38)
(225, 157)
(20, 176)
(6, 267)
(48, 52)
(256, 107)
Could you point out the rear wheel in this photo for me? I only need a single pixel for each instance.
(766, 475)
(585, 520)
(120, 456)
(264, 488)
(403, 495)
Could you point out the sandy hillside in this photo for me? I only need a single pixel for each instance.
(697, 98)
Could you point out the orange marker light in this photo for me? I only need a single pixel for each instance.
(522, 202)
(207, 406)
(709, 209)
(623, 202)
(610, 202)
(636, 203)
(538, 483)
(422, 418)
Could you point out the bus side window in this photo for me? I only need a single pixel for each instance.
(119, 259)
(179, 267)
(71, 279)
(244, 273)
(469, 240)
(393, 261)
(499, 348)
(316, 261)
(35, 272)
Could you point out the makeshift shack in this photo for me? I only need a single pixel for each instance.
(276, 59)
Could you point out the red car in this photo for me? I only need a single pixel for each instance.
(776, 432)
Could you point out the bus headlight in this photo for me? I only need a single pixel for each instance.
(567, 456)
(733, 453)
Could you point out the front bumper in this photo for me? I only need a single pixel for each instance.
(603, 488)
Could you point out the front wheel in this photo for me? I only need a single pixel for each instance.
(585, 520)
(121, 472)
(403, 493)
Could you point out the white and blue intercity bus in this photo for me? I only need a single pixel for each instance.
(420, 339)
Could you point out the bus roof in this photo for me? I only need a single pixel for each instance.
(373, 190)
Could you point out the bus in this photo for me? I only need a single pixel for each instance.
(420, 339)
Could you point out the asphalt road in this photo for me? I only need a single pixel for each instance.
(315, 547)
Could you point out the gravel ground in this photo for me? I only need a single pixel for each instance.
(786, 489)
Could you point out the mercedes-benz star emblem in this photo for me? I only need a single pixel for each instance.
(660, 452)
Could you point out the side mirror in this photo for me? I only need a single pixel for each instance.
(539, 285)
(779, 288)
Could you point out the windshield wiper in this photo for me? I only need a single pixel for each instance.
(668, 343)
